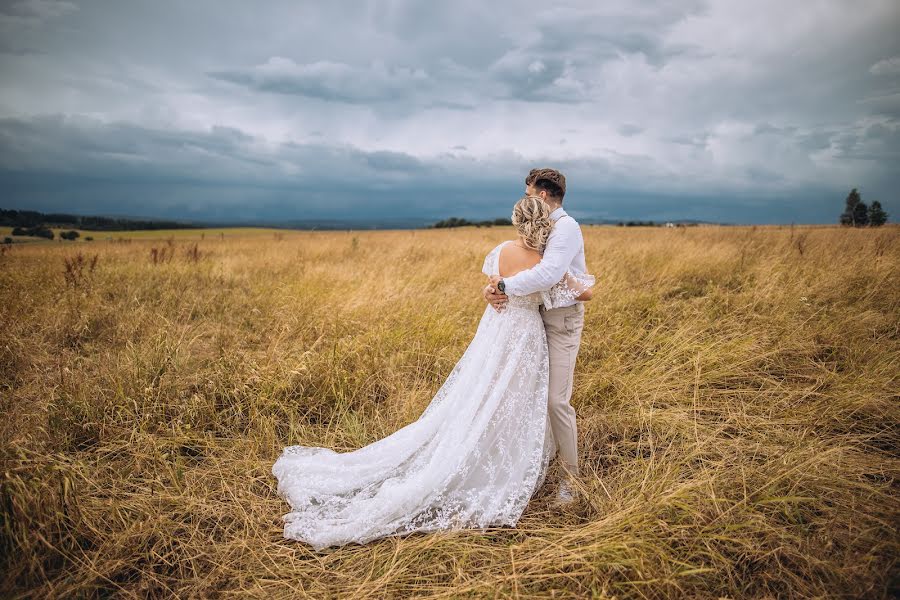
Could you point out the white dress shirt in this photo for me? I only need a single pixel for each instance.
(564, 252)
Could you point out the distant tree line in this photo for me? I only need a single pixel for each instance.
(457, 222)
(857, 214)
(637, 224)
(36, 221)
(38, 231)
(45, 232)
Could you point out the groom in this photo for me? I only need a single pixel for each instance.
(565, 249)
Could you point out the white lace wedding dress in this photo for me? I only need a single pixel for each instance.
(472, 460)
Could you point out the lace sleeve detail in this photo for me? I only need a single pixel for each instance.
(571, 286)
(491, 264)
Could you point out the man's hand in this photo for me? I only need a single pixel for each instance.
(493, 297)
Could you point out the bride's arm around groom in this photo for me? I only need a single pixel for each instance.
(564, 246)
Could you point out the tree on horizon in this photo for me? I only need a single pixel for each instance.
(851, 210)
(877, 216)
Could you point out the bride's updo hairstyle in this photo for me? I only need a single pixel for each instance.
(531, 218)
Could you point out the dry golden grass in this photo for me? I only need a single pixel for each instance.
(737, 393)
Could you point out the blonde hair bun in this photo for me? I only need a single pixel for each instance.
(531, 218)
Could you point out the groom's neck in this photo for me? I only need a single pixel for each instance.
(554, 205)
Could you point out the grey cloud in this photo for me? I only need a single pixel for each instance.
(560, 63)
(392, 161)
(877, 142)
(884, 104)
(698, 140)
(37, 10)
(521, 76)
(57, 144)
(330, 80)
(764, 175)
(593, 33)
(815, 140)
(18, 20)
(553, 66)
(54, 145)
(886, 66)
(630, 129)
(60, 146)
(768, 128)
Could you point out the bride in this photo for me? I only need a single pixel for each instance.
(480, 449)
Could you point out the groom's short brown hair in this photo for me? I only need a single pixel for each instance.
(549, 180)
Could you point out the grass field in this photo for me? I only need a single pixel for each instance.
(737, 397)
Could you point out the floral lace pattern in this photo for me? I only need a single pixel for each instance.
(473, 459)
(571, 286)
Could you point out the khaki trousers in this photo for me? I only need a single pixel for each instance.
(563, 326)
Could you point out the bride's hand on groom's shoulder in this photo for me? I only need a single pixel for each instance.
(492, 296)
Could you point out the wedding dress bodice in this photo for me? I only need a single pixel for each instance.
(527, 302)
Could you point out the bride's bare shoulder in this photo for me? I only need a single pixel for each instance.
(513, 248)
(514, 258)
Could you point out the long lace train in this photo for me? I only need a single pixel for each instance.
(472, 460)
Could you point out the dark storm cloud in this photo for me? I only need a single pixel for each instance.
(223, 174)
(701, 109)
(79, 147)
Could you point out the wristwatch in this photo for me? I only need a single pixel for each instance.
(501, 286)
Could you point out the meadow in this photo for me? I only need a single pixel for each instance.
(736, 389)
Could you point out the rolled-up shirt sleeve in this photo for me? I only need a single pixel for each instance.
(563, 245)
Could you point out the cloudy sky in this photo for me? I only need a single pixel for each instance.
(395, 110)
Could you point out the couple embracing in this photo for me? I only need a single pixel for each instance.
(482, 447)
